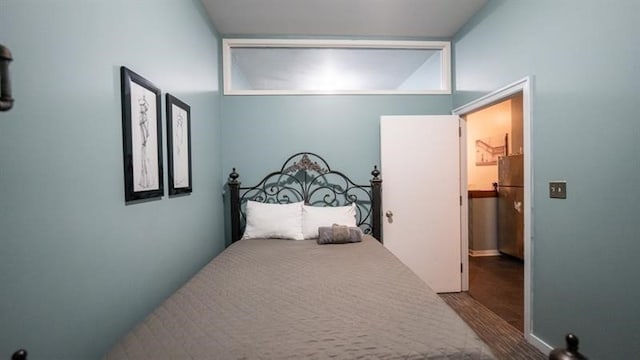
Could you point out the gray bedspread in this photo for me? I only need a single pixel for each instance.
(284, 299)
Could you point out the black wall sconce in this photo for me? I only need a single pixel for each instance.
(6, 101)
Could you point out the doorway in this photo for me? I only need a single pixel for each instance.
(495, 198)
(485, 154)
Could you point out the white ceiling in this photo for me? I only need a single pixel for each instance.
(348, 18)
(367, 18)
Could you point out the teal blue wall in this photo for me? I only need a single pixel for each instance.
(584, 57)
(78, 267)
(262, 131)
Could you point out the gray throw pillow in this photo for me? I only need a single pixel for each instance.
(337, 234)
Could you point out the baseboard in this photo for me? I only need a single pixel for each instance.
(484, 252)
(539, 344)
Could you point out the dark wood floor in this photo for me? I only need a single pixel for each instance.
(497, 282)
(494, 306)
(504, 340)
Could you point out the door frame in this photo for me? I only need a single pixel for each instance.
(525, 86)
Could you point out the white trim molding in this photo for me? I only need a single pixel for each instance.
(539, 344)
(475, 253)
(443, 46)
(525, 86)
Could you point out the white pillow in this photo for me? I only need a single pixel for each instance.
(283, 221)
(315, 216)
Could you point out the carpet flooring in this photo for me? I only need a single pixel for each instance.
(506, 342)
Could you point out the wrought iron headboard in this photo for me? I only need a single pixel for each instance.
(307, 177)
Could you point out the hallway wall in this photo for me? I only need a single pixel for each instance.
(584, 63)
(78, 266)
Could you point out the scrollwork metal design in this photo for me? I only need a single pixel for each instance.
(305, 163)
(307, 177)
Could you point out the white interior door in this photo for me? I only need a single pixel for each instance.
(420, 165)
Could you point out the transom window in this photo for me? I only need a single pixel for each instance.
(284, 67)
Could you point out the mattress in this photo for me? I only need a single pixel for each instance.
(284, 299)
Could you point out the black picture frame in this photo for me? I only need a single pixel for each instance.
(141, 137)
(179, 145)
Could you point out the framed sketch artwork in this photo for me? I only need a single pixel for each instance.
(141, 137)
(489, 149)
(179, 145)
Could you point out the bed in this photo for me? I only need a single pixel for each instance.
(269, 298)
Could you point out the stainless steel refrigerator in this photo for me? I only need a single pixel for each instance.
(511, 205)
